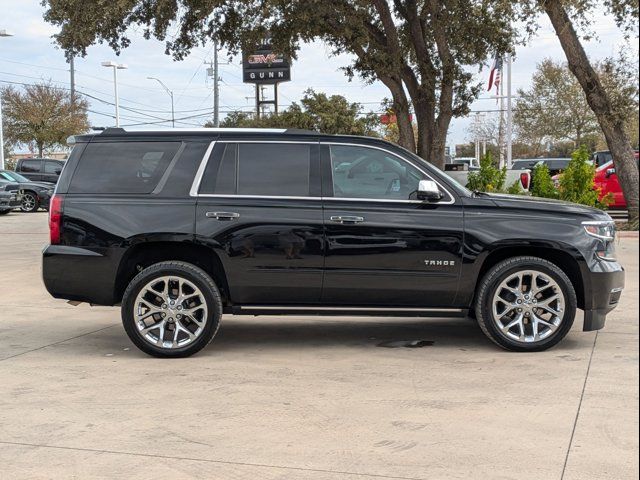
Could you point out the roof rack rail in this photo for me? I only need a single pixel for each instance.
(300, 131)
(113, 131)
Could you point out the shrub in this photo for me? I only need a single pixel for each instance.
(489, 178)
(515, 189)
(542, 184)
(577, 181)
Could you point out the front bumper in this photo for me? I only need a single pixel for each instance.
(606, 281)
(10, 202)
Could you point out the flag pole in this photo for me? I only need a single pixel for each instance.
(509, 115)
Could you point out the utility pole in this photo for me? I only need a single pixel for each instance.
(216, 88)
(72, 78)
(214, 72)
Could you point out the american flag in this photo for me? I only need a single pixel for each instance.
(496, 74)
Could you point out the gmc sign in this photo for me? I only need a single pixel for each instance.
(265, 66)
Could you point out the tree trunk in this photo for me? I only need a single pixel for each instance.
(406, 138)
(425, 121)
(401, 108)
(40, 150)
(598, 100)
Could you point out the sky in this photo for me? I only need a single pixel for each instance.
(30, 56)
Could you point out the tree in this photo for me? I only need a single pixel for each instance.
(565, 16)
(423, 51)
(554, 108)
(42, 116)
(316, 111)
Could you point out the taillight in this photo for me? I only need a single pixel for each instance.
(524, 180)
(56, 207)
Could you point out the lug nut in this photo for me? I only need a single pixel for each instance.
(519, 301)
(164, 305)
(519, 310)
(178, 317)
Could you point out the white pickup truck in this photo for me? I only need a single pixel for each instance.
(459, 170)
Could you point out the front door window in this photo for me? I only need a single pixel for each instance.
(360, 172)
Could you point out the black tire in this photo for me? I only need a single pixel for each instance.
(487, 289)
(30, 202)
(4, 212)
(194, 275)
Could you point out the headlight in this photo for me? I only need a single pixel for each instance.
(605, 231)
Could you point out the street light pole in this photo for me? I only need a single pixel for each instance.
(173, 117)
(116, 67)
(3, 33)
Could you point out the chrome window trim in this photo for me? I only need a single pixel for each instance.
(374, 147)
(275, 197)
(195, 187)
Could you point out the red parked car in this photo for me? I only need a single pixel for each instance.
(606, 179)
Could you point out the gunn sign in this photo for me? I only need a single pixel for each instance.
(265, 66)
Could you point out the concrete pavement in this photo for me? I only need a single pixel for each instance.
(305, 398)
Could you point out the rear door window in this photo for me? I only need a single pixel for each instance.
(260, 169)
(30, 166)
(126, 167)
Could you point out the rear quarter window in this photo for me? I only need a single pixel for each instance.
(122, 167)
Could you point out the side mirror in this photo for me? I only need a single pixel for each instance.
(428, 190)
(610, 171)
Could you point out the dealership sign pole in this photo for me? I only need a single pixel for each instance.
(265, 67)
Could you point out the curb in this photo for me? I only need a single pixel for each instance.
(625, 234)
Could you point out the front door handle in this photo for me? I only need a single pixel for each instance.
(223, 216)
(346, 219)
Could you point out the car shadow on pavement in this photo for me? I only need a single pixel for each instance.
(277, 334)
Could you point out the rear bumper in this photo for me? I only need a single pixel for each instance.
(605, 292)
(79, 274)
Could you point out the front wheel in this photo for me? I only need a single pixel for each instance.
(30, 202)
(526, 304)
(171, 309)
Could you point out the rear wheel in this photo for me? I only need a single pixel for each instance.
(30, 202)
(171, 309)
(526, 304)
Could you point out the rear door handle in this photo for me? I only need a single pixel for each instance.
(224, 216)
(346, 219)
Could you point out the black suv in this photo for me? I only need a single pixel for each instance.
(179, 227)
(40, 169)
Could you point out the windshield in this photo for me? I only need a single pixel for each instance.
(459, 188)
(13, 176)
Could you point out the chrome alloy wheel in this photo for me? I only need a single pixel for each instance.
(28, 202)
(528, 306)
(170, 312)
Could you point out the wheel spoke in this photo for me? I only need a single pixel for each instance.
(146, 330)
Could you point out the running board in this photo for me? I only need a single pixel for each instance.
(346, 311)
